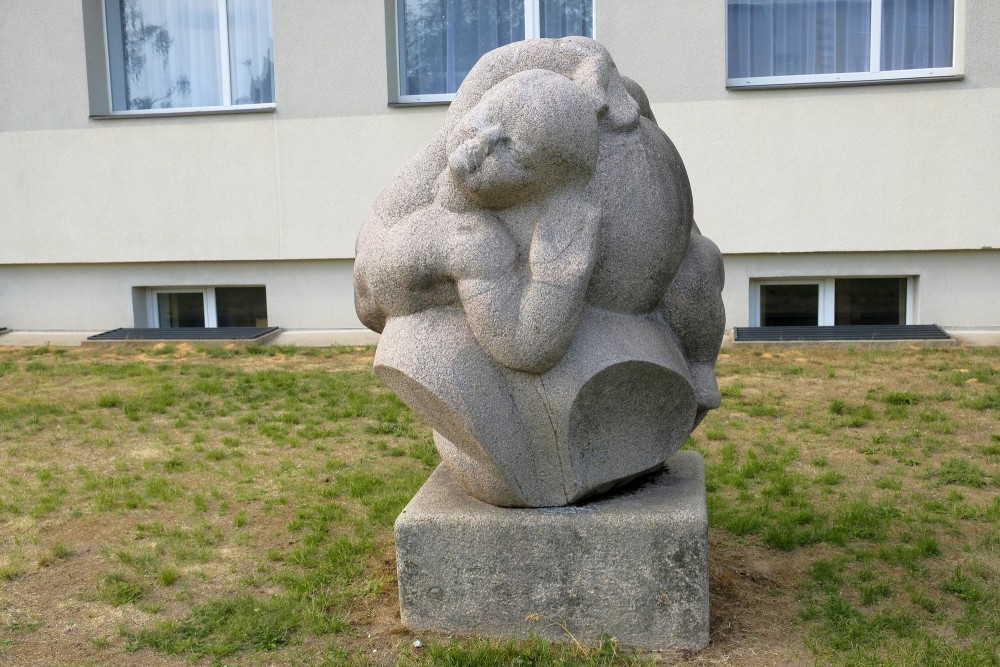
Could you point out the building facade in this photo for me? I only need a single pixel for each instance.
(139, 189)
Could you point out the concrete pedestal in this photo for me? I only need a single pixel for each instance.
(633, 565)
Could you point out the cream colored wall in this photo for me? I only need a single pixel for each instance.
(859, 168)
(823, 174)
(207, 199)
(43, 74)
(227, 187)
(854, 168)
(293, 184)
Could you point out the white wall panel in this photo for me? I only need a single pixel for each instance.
(953, 289)
(90, 297)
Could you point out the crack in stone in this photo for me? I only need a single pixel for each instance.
(563, 464)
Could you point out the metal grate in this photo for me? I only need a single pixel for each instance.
(850, 333)
(186, 333)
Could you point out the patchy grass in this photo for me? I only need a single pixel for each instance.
(179, 504)
(880, 481)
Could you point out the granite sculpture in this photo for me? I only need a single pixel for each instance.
(545, 299)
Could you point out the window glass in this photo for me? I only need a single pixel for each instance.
(441, 40)
(181, 309)
(917, 34)
(251, 63)
(791, 37)
(172, 54)
(870, 301)
(241, 306)
(823, 39)
(789, 305)
(561, 18)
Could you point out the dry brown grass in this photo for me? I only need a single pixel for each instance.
(211, 461)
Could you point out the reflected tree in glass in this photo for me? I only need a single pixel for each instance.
(560, 18)
(138, 38)
(251, 62)
(170, 52)
(443, 39)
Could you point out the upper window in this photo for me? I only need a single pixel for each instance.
(799, 42)
(189, 54)
(438, 41)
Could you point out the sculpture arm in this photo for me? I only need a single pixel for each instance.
(694, 310)
(403, 268)
(526, 316)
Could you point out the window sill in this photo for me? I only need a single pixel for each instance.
(845, 79)
(423, 103)
(189, 111)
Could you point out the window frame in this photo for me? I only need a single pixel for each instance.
(826, 316)
(394, 55)
(875, 74)
(208, 302)
(101, 95)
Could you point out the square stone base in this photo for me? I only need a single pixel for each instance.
(633, 565)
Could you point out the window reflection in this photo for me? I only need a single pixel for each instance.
(443, 39)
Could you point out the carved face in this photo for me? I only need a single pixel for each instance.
(528, 135)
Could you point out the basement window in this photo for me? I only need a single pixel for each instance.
(176, 307)
(831, 302)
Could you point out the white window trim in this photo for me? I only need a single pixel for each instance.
(827, 315)
(911, 299)
(208, 304)
(825, 297)
(227, 93)
(531, 31)
(875, 74)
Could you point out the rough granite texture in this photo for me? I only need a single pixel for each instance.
(545, 300)
(633, 565)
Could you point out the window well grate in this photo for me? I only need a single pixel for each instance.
(187, 333)
(836, 333)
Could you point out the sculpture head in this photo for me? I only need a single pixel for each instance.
(530, 134)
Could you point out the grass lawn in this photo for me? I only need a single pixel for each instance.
(177, 505)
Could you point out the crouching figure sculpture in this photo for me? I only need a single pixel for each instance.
(545, 300)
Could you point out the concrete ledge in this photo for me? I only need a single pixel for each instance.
(326, 337)
(301, 337)
(976, 337)
(633, 565)
(969, 337)
(919, 342)
(40, 338)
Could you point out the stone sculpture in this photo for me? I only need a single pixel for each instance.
(545, 300)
